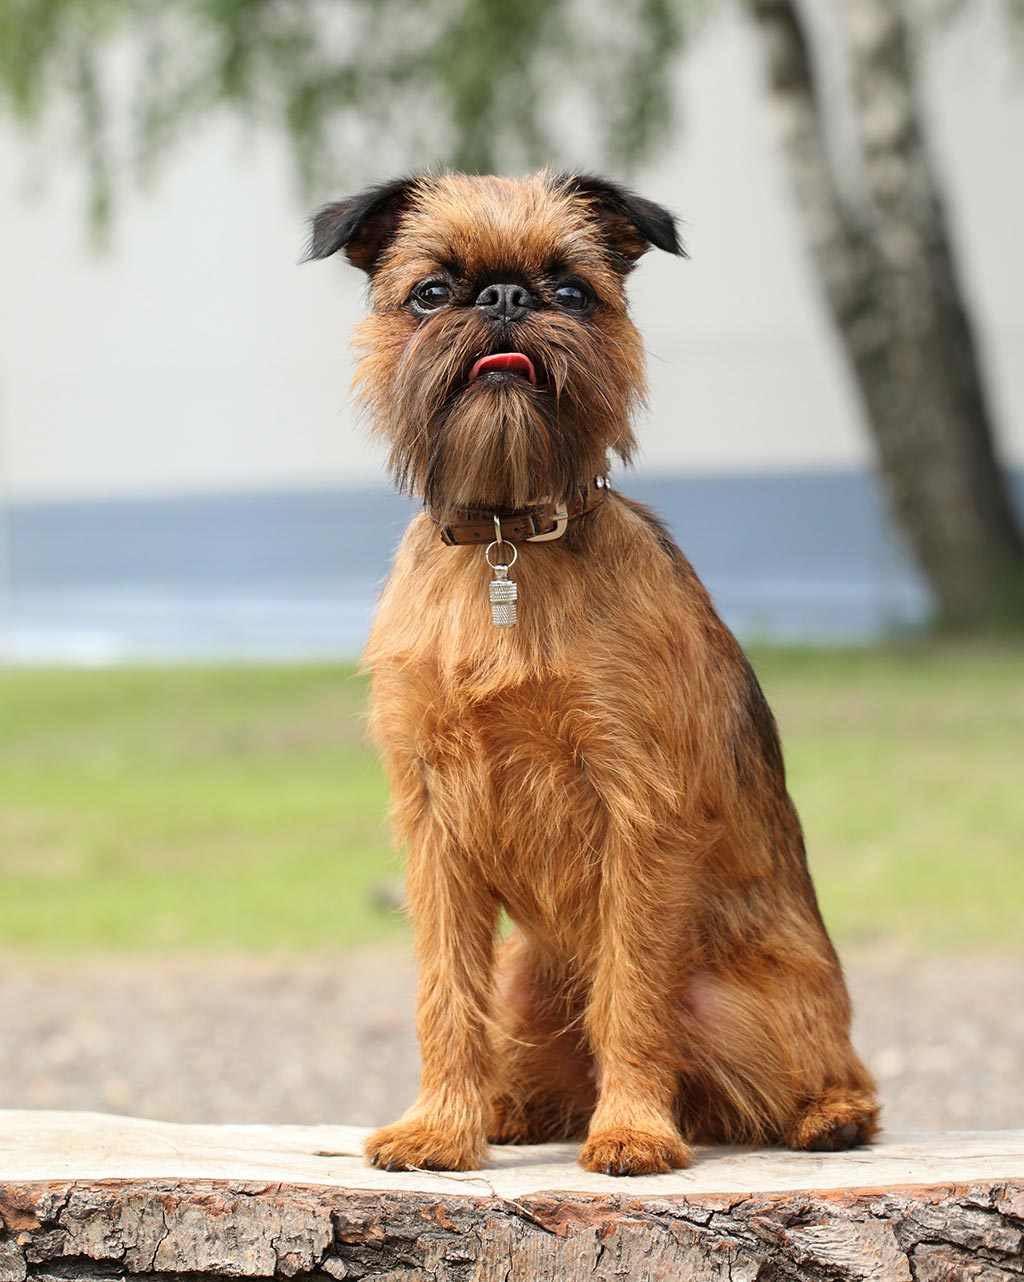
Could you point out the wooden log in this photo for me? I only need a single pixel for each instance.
(85, 1196)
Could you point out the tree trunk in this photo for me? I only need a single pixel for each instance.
(888, 274)
(86, 1198)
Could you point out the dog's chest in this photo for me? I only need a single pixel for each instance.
(506, 773)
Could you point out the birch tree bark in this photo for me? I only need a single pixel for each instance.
(888, 272)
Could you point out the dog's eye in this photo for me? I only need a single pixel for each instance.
(431, 294)
(574, 296)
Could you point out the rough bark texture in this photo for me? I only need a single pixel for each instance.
(211, 1229)
(84, 1196)
(889, 276)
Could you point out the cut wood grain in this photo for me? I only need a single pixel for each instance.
(86, 1196)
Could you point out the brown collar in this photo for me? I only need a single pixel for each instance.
(537, 523)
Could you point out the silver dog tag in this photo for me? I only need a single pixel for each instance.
(504, 594)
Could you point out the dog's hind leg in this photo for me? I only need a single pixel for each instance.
(774, 1063)
(838, 1118)
(544, 1088)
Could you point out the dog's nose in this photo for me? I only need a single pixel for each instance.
(505, 302)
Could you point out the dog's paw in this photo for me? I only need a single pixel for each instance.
(416, 1145)
(838, 1119)
(626, 1151)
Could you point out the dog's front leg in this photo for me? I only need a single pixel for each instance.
(632, 1026)
(454, 919)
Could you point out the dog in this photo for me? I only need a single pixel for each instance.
(601, 766)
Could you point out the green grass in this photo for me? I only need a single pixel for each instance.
(238, 808)
(908, 770)
(189, 809)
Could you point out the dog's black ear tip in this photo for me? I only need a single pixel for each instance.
(362, 225)
(672, 242)
(656, 224)
(653, 222)
(669, 240)
(311, 250)
(675, 245)
(333, 226)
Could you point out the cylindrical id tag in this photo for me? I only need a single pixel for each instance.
(504, 593)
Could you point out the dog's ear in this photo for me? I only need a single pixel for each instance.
(631, 224)
(363, 225)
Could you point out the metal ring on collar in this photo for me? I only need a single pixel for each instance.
(501, 543)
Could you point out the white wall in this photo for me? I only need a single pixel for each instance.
(197, 355)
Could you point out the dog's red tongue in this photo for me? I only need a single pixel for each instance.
(512, 362)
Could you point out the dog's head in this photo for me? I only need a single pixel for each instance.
(499, 360)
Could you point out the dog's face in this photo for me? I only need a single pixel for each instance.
(499, 360)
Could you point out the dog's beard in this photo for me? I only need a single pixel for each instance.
(498, 442)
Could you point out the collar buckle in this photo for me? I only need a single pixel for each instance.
(561, 519)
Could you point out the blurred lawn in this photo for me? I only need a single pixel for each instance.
(238, 809)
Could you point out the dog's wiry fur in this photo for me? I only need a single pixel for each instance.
(608, 771)
(486, 444)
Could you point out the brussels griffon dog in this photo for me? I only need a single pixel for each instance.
(571, 732)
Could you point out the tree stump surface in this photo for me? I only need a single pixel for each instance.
(86, 1196)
